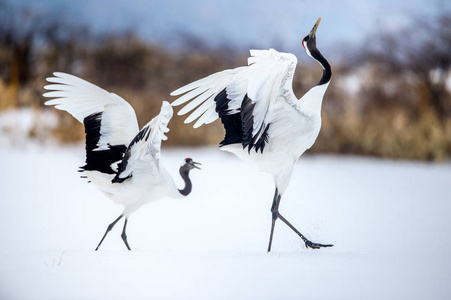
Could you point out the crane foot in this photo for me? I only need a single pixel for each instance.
(309, 244)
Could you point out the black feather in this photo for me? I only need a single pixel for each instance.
(247, 120)
(239, 126)
(260, 144)
(99, 160)
(231, 122)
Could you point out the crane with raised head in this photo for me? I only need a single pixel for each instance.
(121, 160)
(264, 122)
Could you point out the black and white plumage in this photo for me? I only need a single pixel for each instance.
(264, 122)
(121, 160)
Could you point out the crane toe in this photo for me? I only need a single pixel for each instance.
(309, 244)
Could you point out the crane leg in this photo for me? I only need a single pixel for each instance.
(124, 236)
(275, 211)
(307, 242)
(108, 230)
(276, 215)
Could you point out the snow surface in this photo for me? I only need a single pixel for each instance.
(389, 221)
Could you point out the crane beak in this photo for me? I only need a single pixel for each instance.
(313, 31)
(194, 165)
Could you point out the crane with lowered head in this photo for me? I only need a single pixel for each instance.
(121, 160)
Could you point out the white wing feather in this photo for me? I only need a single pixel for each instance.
(81, 99)
(269, 70)
(143, 153)
(201, 92)
(268, 74)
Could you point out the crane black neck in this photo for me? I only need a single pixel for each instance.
(327, 71)
(184, 173)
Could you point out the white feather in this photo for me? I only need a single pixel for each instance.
(144, 154)
(201, 110)
(206, 117)
(81, 99)
(205, 89)
(192, 94)
(196, 102)
(261, 81)
(199, 83)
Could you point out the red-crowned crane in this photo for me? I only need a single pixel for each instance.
(264, 122)
(121, 160)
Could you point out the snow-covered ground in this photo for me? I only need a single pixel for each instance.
(390, 223)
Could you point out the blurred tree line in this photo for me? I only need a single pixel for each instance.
(389, 97)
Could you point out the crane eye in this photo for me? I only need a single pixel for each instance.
(306, 38)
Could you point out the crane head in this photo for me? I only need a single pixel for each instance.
(190, 164)
(309, 42)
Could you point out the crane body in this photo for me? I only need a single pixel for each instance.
(121, 160)
(264, 122)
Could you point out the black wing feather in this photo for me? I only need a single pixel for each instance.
(232, 122)
(239, 126)
(99, 160)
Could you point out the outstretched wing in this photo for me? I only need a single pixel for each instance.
(143, 154)
(241, 97)
(110, 122)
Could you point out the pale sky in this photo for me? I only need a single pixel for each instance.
(254, 23)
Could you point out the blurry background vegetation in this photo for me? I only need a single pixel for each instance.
(389, 97)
